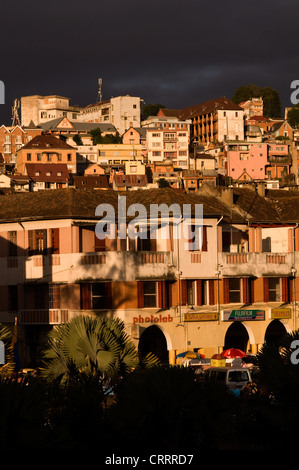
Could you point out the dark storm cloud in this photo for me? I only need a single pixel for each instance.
(173, 52)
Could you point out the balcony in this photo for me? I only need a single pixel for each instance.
(255, 264)
(71, 267)
(43, 316)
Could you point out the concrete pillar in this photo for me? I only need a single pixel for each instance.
(258, 232)
(201, 351)
(172, 356)
(251, 240)
(254, 348)
(219, 229)
(227, 196)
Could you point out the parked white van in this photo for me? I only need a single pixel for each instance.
(229, 376)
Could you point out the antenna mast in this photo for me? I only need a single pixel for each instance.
(15, 114)
(100, 81)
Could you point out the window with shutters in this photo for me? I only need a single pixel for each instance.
(236, 290)
(147, 244)
(190, 292)
(13, 297)
(12, 240)
(54, 295)
(96, 296)
(37, 242)
(150, 293)
(99, 244)
(274, 289)
(54, 240)
(98, 293)
(154, 294)
(234, 286)
(205, 292)
(197, 238)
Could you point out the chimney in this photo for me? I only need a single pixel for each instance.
(227, 196)
(261, 189)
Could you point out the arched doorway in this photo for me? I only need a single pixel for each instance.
(274, 331)
(152, 340)
(236, 337)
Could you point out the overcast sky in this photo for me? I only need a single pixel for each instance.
(176, 53)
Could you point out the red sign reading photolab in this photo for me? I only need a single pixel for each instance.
(153, 319)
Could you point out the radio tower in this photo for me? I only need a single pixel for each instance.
(15, 115)
(100, 81)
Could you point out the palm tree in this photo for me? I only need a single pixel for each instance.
(96, 347)
(164, 409)
(279, 379)
(84, 362)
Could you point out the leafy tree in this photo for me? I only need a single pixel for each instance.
(272, 105)
(96, 136)
(77, 139)
(271, 99)
(163, 183)
(111, 139)
(92, 347)
(151, 110)
(279, 380)
(293, 116)
(244, 93)
(163, 408)
(76, 413)
(23, 409)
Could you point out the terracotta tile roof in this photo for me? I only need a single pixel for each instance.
(91, 181)
(208, 107)
(46, 141)
(167, 112)
(48, 172)
(258, 118)
(130, 180)
(277, 207)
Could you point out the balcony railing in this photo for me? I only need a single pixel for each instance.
(44, 316)
(256, 264)
(113, 265)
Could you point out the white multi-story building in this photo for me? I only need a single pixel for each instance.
(122, 111)
(40, 109)
(167, 138)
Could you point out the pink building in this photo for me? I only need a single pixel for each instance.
(246, 161)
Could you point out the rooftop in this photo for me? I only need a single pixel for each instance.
(278, 206)
(46, 141)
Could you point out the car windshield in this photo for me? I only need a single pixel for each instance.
(238, 376)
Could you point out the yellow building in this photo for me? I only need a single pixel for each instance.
(118, 154)
(46, 149)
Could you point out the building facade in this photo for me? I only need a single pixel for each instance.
(237, 288)
(121, 111)
(46, 149)
(247, 160)
(39, 109)
(215, 121)
(13, 138)
(167, 138)
(253, 107)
